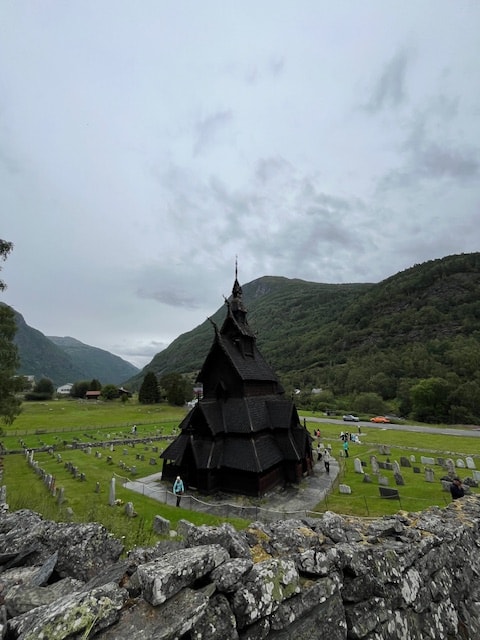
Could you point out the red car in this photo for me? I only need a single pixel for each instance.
(380, 419)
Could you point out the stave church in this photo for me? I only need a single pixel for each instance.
(243, 436)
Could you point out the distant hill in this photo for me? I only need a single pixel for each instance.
(282, 311)
(423, 322)
(66, 359)
(102, 365)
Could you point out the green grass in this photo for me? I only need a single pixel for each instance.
(416, 494)
(63, 423)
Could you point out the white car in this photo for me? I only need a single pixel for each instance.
(350, 418)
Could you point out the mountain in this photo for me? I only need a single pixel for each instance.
(100, 364)
(384, 338)
(284, 313)
(66, 359)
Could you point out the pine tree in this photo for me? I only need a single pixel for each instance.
(149, 392)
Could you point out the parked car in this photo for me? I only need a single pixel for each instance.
(350, 418)
(381, 419)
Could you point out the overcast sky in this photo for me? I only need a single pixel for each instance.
(146, 143)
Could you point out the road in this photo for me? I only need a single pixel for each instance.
(473, 432)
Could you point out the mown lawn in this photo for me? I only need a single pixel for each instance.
(63, 424)
(416, 494)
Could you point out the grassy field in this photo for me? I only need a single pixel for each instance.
(62, 424)
(416, 494)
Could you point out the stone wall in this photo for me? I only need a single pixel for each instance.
(412, 576)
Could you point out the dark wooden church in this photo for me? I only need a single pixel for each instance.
(244, 436)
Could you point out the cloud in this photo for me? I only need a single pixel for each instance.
(389, 90)
(208, 129)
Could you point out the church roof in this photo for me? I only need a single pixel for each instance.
(244, 415)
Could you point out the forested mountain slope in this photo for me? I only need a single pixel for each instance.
(384, 338)
(65, 360)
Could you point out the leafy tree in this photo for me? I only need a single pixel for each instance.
(149, 392)
(80, 389)
(177, 388)
(430, 400)
(10, 405)
(109, 392)
(368, 403)
(43, 390)
(95, 385)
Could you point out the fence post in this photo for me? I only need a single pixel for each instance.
(366, 505)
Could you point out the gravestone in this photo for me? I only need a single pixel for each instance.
(366, 478)
(429, 475)
(426, 460)
(61, 496)
(344, 488)
(129, 510)
(133, 471)
(460, 463)
(97, 487)
(405, 462)
(382, 465)
(417, 470)
(390, 494)
(111, 493)
(441, 462)
(374, 463)
(161, 526)
(470, 462)
(153, 461)
(388, 466)
(383, 480)
(476, 476)
(395, 467)
(450, 466)
(412, 459)
(357, 465)
(399, 479)
(446, 485)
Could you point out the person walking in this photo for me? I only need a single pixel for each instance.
(178, 489)
(326, 460)
(456, 489)
(345, 448)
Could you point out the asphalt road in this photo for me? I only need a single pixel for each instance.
(472, 432)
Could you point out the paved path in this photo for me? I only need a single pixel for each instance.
(290, 502)
(471, 432)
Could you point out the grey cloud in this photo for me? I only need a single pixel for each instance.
(389, 90)
(276, 66)
(270, 168)
(207, 129)
(436, 161)
(171, 297)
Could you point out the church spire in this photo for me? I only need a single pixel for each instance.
(236, 304)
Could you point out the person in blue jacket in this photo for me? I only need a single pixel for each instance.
(178, 489)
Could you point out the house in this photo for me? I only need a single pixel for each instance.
(65, 389)
(243, 435)
(93, 395)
